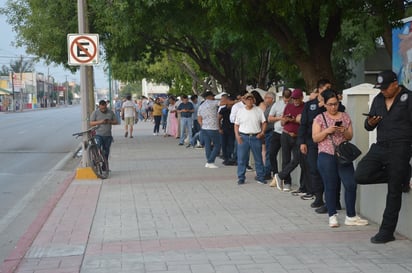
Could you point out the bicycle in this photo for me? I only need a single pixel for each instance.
(95, 154)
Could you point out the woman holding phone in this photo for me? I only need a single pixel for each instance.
(329, 130)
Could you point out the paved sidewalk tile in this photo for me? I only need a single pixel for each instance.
(162, 211)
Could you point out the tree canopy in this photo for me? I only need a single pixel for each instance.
(234, 42)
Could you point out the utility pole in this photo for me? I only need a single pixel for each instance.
(12, 89)
(110, 87)
(66, 93)
(86, 78)
(21, 83)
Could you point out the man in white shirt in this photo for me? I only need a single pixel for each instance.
(250, 127)
(129, 113)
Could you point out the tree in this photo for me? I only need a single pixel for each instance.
(42, 27)
(5, 70)
(21, 66)
(230, 40)
(153, 27)
(308, 31)
(133, 89)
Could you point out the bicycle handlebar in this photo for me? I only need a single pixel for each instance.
(85, 132)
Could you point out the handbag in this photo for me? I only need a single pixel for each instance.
(346, 152)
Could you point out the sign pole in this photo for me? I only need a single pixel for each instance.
(81, 4)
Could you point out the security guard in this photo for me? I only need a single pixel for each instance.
(388, 159)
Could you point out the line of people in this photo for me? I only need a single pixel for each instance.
(307, 134)
(251, 130)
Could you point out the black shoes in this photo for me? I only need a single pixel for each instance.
(229, 163)
(316, 204)
(382, 239)
(240, 182)
(260, 181)
(308, 196)
(322, 209)
(268, 177)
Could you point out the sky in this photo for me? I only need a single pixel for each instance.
(8, 53)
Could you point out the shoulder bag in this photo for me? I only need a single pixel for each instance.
(346, 152)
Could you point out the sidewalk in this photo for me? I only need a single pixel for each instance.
(162, 211)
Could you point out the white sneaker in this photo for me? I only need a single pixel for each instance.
(286, 187)
(211, 166)
(355, 221)
(333, 221)
(279, 182)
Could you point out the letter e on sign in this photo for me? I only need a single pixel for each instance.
(83, 49)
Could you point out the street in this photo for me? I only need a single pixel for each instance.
(35, 158)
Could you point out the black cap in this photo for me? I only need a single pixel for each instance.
(208, 94)
(385, 78)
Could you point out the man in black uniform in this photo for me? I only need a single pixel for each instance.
(388, 159)
(309, 148)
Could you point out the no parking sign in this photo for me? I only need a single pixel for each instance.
(83, 49)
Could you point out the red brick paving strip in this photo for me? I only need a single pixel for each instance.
(12, 261)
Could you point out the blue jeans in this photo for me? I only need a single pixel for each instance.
(118, 117)
(332, 173)
(196, 127)
(185, 123)
(249, 143)
(211, 137)
(104, 142)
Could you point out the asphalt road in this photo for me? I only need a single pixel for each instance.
(36, 156)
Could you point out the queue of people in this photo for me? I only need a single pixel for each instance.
(252, 130)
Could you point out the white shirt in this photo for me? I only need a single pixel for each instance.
(277, 111)
(250, 121)
(129, 109)
(235, 108)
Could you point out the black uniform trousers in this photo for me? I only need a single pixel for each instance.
(387, 162)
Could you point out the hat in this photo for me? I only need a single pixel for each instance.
(231, 97)
(297, 94)
(208, 94)
(385, 78)
(102, 102)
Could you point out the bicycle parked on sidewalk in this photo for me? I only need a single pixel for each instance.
(95, 154)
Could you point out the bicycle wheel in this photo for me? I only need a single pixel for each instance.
(98, 161)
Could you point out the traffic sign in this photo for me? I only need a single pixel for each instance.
(83, 49)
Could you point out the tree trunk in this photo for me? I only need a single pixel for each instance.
(317, 66)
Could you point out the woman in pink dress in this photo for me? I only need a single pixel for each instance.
(172, 125)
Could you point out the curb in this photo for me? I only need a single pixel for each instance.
(13, 260)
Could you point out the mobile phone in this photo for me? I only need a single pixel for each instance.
(367, 114)
(338, 123)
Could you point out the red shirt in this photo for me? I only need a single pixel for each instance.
(294, 111)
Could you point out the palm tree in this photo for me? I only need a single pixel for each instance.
(21, 66)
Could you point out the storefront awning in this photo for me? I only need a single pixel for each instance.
(4, 91)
